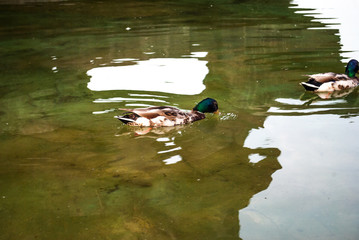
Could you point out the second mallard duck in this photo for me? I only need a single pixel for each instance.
(329, 82)
(166, 116)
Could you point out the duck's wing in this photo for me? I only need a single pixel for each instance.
(153, 112)
(327, 77)
(322, 77)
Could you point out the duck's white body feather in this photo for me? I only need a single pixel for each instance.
(338, 85)
(159, 121)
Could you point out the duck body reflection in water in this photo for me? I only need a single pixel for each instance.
(166, 116)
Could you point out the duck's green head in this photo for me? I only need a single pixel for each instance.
(352, 68)
(208, 105)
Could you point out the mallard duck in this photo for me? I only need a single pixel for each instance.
(165, 116)
(329, 82)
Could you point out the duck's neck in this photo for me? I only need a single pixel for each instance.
(196, 115)
(350, 74)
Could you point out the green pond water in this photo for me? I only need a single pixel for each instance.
(276, 163)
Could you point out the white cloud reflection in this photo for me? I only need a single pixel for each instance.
(170, 75)
(339, 15)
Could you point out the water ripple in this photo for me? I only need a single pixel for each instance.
(122, 99)
(310, 106)
(291, 101)
(311, 110)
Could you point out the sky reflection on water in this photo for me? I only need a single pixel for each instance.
(171, 75)
(300, 192)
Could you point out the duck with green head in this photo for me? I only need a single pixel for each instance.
(166, 116)
(329, 82)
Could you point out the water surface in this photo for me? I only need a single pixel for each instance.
(276, 162)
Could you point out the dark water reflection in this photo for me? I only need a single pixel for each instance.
(69, 170)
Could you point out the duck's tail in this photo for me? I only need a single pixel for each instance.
(125, 119)
(308, 86)
(311, 84)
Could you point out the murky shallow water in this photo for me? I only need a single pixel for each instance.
(276, 162)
